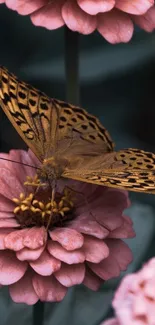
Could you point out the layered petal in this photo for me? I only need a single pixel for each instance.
(41, 261)
(50, 15)
(23, 291)
(115, 26)
(46, 264)
(70, 275)
(11, 270)
(94, 7)
(136, 7)
(48, 288)
(70, 239)
(69, 257)
(76, 19)
(112, 18)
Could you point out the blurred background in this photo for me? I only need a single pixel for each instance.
(117, 85)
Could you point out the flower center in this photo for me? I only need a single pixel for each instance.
(37, 208)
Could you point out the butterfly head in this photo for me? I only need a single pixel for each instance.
(52, 168)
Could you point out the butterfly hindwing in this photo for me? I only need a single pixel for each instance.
(130, 169)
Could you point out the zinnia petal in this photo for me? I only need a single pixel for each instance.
(25, 7)
(147, 21)
(8, 222)
(69, 257)
(3, 233)
(87, 225)
(95, 249)
(14, 240)
(23, 291)
(27, 254)
(111, 321)
(115, 247)
(35, 237)
(70, 275)
(49, 16)
(46, 264)
(106, 269)
(70, 239)
(11, 270)
(48, 288)
(136, 7)
(91, 280)
(115, 26)
(10, 186)
(76, 19)
(94, 7)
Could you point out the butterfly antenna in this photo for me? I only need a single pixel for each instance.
(20, 163)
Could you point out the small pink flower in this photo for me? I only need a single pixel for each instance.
(41, 256)
(134, 300)
(112, 18)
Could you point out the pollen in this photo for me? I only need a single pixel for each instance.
(33, 181)
(34, 209)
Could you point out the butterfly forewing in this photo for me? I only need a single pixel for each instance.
(43, 122)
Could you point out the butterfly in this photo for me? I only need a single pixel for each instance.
(71, 143)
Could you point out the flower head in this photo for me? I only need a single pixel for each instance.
(114, 19)
(134, 300)
(48, 246)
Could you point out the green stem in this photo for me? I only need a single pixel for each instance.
(72, 96)
(72, 66)
(38, 313)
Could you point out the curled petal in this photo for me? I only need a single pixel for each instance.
(23, 291)
(14, 240)
(27, 254)
(95, 249)
(3, 233)
(115, 26)
(35, 237)
(70, 239)
(94, 7)
(48, 288)
(46, 264)
(135, 7)
(91, 280)
(70, 275)
(106, 269)
(147, 21)
(87, 225)
(76, 19)
(124, 231)
(120, 251)
(11, 270)
(69, 257)
(49, 16)
(26, 7)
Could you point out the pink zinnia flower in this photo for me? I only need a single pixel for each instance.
(42, 256)
(134, 300)
(114, 19)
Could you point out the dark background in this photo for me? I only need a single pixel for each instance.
(117, 85)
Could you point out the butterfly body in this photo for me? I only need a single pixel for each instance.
(71, 143)
(53, 168)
